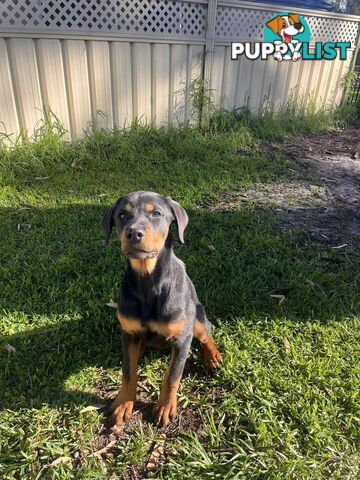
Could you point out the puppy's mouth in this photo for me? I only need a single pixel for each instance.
(140, 253)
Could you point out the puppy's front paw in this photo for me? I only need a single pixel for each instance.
(164, 411)
(211, 356)
(121, 409)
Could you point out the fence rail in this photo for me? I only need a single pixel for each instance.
(136, 59)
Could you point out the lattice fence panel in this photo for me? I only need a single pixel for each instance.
(160, 17)
(241, 24)
(246, 24)
(332, 30)
(20, 13)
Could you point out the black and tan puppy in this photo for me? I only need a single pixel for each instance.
(158, 304)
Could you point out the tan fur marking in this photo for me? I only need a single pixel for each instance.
(132, 326)
(149, 207)
(169, 330)
(122, 239)
(200, 332)
(123, 404)
(143, 267)
(154, 240)
(165, 409)
(211, 355)
(130, 386)
(169, 391)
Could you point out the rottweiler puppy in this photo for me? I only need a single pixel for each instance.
(158, 305)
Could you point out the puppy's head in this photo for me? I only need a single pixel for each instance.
(286, 26)
(142, 220)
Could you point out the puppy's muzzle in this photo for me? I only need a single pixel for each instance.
(136, 246)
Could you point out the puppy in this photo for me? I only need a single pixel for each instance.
(158, 304)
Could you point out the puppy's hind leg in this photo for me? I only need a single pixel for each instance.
(212, 358)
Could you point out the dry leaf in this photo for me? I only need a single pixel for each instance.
(60, 460)
(91, 408)
(111, 304)
(9, 348)
(41, 178)
(98, 454)
(280, 298)
(211, 248)
(157, 456)
(287, 346)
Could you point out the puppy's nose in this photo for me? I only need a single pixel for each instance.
(135, 234)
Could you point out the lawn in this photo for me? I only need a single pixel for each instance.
(286, 401)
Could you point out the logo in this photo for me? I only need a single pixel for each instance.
(288, 31)
(287, 37)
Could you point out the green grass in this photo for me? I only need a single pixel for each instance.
(286, 402)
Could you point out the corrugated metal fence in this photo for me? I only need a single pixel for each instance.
(112, 61)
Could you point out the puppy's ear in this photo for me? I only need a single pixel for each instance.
(275, 24)
(109, 222)
(294, 17)
(180, 217)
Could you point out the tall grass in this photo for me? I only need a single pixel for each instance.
(235, 130)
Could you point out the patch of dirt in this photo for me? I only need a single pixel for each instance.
(282, 195)
(324, 198)
(109, 439)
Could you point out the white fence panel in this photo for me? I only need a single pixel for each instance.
(9, 119)
(26, 83)
(52, 79)
(141, 53)
(179, 84)
(77, 80)
(100, 84)
(110, 62)
(122, 84)
(161, 84)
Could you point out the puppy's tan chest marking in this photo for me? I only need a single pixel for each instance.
(130, 325)
(168, 330)
(133, 326)
(143, 267)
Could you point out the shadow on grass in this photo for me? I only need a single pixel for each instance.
(56, 277)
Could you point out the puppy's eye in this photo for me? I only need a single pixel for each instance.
(122, 215)
(155, 213)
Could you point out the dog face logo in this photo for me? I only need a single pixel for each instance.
(287, 30)
(286, 26)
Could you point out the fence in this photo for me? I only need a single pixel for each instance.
(136, 59)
